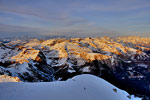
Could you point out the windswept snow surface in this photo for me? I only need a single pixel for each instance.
(81, 87)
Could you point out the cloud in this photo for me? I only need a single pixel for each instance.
(120, 5)
(15, 31)
(75, 16)
(62, 9)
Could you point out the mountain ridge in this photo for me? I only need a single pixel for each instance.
(125, 59)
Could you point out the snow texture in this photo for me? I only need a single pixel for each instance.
(81, 87)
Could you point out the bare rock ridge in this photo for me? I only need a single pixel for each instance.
(123, 61)
(5, 78)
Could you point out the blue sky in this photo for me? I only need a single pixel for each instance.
(74, 17)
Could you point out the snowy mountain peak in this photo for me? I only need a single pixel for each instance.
(120, 58)
(26, 54)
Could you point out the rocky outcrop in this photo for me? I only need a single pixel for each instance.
(5, 78)
(27, 54)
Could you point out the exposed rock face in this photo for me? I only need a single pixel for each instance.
(27, 54)
(29, 65)
(123, 61)
(5, 78)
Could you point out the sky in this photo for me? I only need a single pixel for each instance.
(75, 18)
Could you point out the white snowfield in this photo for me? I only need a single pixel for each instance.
(81, 87)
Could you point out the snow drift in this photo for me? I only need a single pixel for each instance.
(81, 87)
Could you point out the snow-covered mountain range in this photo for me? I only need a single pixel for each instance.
(122, 61)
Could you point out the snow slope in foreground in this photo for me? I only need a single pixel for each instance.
(81, 87)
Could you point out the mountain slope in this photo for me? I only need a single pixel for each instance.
(122, 61)
(5, 78)
(82, 87)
